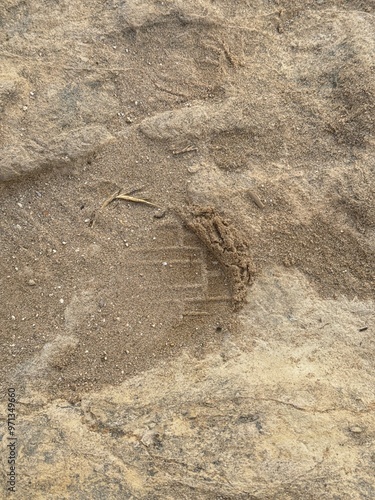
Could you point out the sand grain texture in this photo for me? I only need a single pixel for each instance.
(135, 377)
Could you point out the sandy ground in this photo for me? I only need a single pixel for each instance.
(249, 127)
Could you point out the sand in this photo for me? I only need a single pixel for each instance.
(249, 129)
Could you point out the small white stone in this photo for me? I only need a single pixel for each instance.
(194, 168)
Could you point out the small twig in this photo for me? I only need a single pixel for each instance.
(114, 196)
(110, 199)
(255, 198)
(233, 60)
(117, 196)
(134, 200)
(92, 219)
(185, 150)
(168, 91)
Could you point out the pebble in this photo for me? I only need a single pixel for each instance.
(194, 168)
(159, 215)
(356, 429)
(31, 283)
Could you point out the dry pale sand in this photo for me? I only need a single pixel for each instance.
(216, 342)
